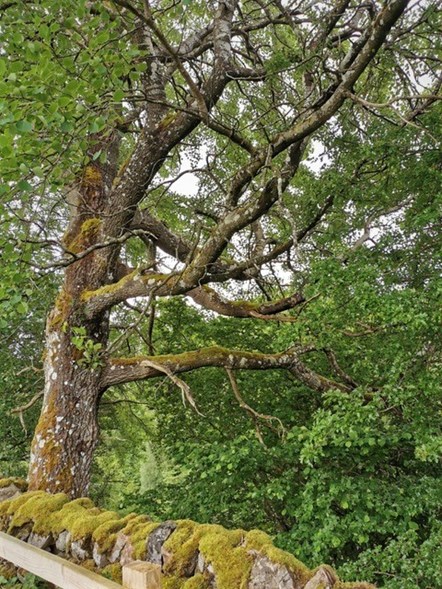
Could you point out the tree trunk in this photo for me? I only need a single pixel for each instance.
(67, 432)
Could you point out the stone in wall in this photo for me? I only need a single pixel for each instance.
(266, 574)
(42, 541)
(10, 488)
(156, 540)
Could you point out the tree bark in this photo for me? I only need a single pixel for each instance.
(67, 432)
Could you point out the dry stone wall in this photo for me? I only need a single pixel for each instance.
(191, 555)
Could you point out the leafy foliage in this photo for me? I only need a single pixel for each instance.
(354, 479)
(351, 477)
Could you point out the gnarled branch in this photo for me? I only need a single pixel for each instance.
(122, 370)
(210, 299)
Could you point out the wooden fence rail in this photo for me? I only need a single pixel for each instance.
(64, 574)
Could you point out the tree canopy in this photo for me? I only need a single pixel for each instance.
(239, 205)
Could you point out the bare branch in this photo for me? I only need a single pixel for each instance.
(20, 410)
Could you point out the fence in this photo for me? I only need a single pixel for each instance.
(64, 574)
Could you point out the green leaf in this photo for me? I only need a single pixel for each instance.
(24, 185)
(5, 140)
(24, 126)
(22, 307)
(118, 95)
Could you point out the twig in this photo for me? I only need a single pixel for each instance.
(25, 407)
(185, 389)
(254, 414)
(331, 356)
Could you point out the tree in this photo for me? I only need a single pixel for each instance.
(108, 104)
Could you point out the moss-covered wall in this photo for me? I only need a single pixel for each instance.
(192, 556)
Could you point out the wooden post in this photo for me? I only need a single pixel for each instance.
(141, 575)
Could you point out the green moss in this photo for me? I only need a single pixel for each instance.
(84, 502)
(262, 543)
(81, 518)
(172, 583)
(113, 572)
(257, 539)
(55, 513)
(108, 288)
(226, 552)
(168, 119)
(106, 533)
(70, 513)
(183, 357)
(10, 506)
(90, 225)
(61, 310)
(134, 521)
(92, 176)
(197, 582)
(157, 276)
(39, 509)
(182, 545)
(248, 305)
(121, 170)
(128, 361)
(21, 484)
(90, 521)
(139, 539)
(138, 529)
(90, 565)
(86, 235)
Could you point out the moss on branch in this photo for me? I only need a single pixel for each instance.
(108, 290)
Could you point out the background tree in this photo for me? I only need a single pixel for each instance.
(315, 261)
